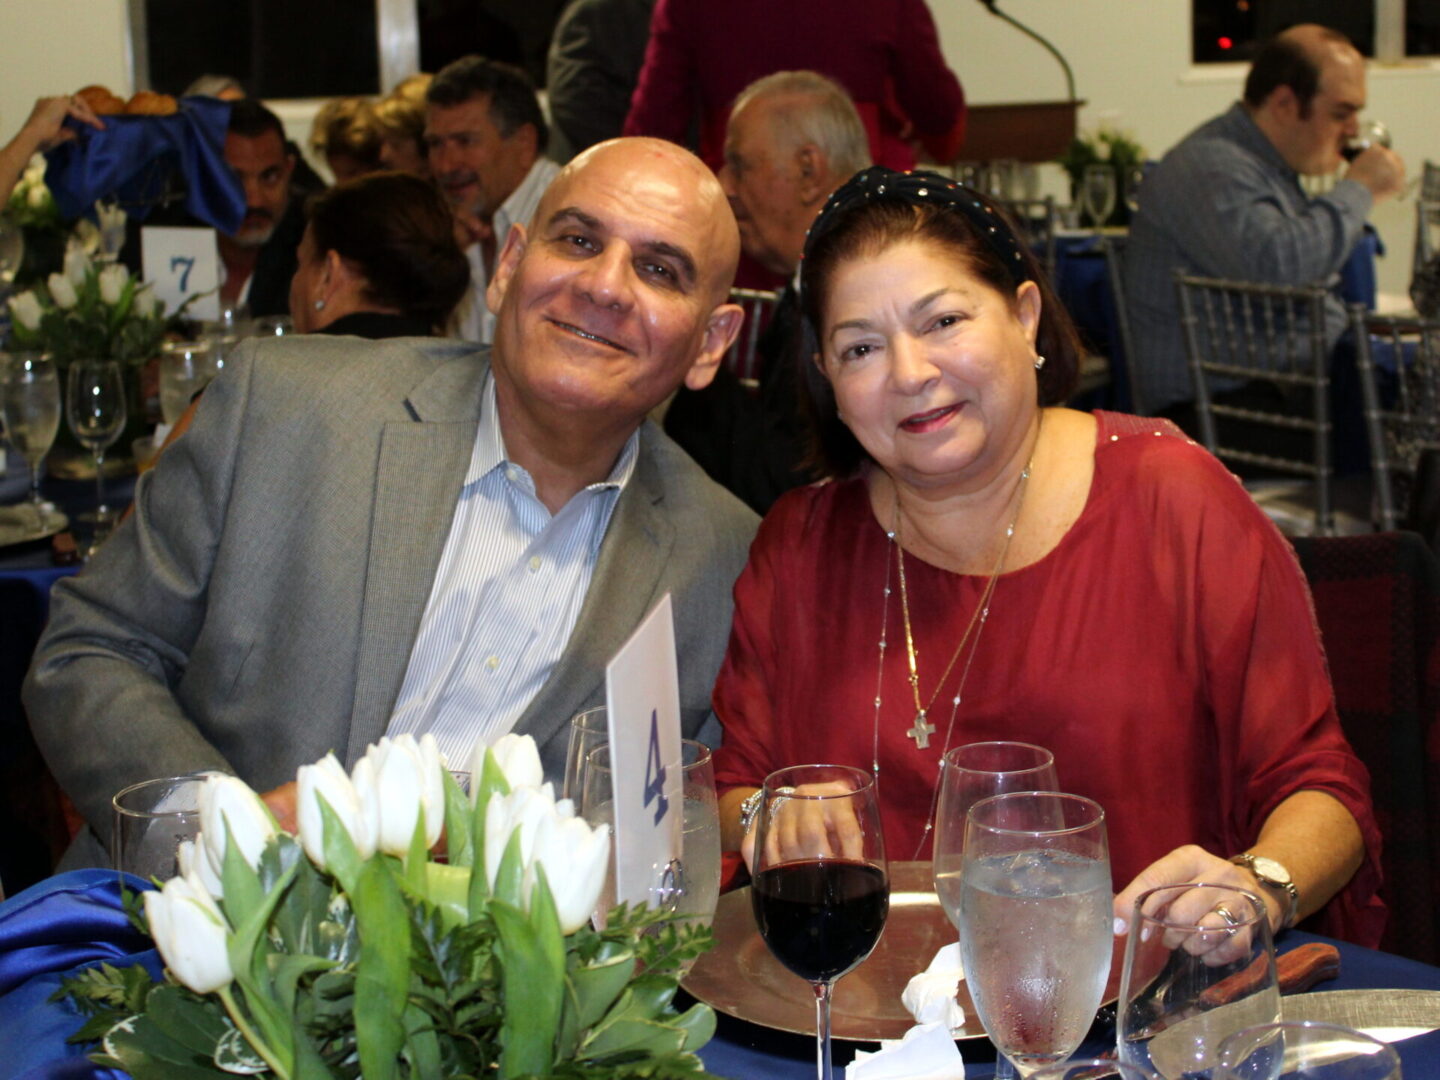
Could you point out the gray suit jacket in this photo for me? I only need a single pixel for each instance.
(258, 609)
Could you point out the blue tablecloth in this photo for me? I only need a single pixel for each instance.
(75, 919)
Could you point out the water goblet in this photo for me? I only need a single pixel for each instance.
(588, 730)
(1304, 1050)
(968, 774)
(96, 411)
(1097, 193)
(1199, 966)
(821, 889)
(30, 402)
(1035, 921)
(151, 818)
(185, 368)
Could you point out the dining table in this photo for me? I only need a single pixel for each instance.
(75, 919)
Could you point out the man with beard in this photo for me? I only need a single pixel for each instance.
(485, 138)
(259, 257)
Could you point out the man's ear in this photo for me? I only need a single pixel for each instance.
(505, 265)
(814, 170)
(721, 330)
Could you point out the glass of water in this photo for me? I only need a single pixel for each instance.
(150, 820)
(1303, 1050)
(1035, 922)
(30, 402)
(185, 368)
(1097, 193)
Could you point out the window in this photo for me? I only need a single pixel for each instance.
(1225, 31)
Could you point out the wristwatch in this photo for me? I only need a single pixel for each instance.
(750, 806)
(1275, 877)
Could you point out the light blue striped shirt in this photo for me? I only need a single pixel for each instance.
(506, 596)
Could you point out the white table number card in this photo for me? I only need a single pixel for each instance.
(642, 692)
(182, 262)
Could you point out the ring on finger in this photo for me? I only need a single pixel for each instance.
(1232, 920)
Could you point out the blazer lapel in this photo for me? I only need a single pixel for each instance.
(622, 590)
(417, 484)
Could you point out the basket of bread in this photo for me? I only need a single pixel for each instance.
(103, 102)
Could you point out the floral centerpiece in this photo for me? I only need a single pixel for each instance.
(1106, 146)
(353, 949)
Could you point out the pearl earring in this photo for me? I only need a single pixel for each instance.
(1039, 361)
(319, 305)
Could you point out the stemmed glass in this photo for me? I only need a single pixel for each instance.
(1369, 133)
(185, 368)
(1305, 1050)
(1035, 921)
(30, 400)
(1097, 193)
(1199, 966)
(968, 774)
(96, 411)
(821, 889)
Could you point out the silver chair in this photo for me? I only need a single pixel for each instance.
(1114, 249)
(1425, 269)
(741, 358)
(1238, 332)
(1403, 432)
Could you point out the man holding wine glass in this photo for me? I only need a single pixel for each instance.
(1227, 203)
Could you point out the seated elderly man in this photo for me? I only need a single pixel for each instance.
(1227, 203)
(358, 538)
(793, 138)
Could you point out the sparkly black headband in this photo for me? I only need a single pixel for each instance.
(878, 183)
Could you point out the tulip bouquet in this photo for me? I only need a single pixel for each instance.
(88, 312)
(351, 949)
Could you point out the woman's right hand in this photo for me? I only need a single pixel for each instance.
(803, 828)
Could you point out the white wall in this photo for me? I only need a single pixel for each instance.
(1131, 61)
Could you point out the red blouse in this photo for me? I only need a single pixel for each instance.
(1165, 651)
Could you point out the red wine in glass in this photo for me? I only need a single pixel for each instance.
(820, 917)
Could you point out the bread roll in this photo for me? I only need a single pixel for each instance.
(149, 103)
(101, 101)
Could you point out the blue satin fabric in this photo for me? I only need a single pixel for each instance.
(133, 156)
(47, 932)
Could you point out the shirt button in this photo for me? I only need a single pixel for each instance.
(534, 563)
(493, 663)
(512, 473)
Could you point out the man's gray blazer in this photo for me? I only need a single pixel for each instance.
(259, 608)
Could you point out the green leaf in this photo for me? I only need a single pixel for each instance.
(233, 1054)
(382, 976)
(147, 1053)
(416, 858)
(287, 971)
(546, 921)
(599, 985)
(510, 877)
(649, 1036)
(422, 1048)
(249, 947)
(532, 996)
(191, 1021)
(341, 858)
(459, 824)
(698, 1023)
(240, 882)
(448, 888)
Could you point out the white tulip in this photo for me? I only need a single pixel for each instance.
(228, 800)
(576, 859)
(112, 283)
(61, 291)
(144, 303)
(35, 170)
(193, 862)
(407, 779)
(518, 758)
(36, 196)
(327, 777)
(77, 264)
(191, 934)
(26, 310)
(524, 809)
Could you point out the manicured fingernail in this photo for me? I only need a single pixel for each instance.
(1121, 926)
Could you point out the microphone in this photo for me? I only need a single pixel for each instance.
(1069, 75)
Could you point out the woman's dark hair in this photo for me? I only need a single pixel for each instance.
(397, 229)
(869, 228)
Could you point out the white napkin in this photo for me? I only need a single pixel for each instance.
(930, 996)
(927, 1052)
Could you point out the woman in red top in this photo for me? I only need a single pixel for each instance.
(1096, 584)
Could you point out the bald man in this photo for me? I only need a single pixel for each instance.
(1227, 202)
(357, 539)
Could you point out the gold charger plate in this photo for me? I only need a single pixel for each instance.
(18, 524)
(741, 977)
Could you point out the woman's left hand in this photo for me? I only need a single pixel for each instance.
(1193, 864)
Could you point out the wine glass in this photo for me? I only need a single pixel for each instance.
(1035, 921)
(96, 411)
(185, 368)
(1199, 966)
(820, 893)
(1306, 1050)
(588, 730)
(1369, 133)
(1097, 193)
(30, 401)
(967, 775)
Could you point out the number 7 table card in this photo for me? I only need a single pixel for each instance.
(642, 695)
(181, 262)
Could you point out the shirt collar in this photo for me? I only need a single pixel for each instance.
(489, 453)
(1248, 134)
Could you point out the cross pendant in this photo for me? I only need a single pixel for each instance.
(921, 731)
